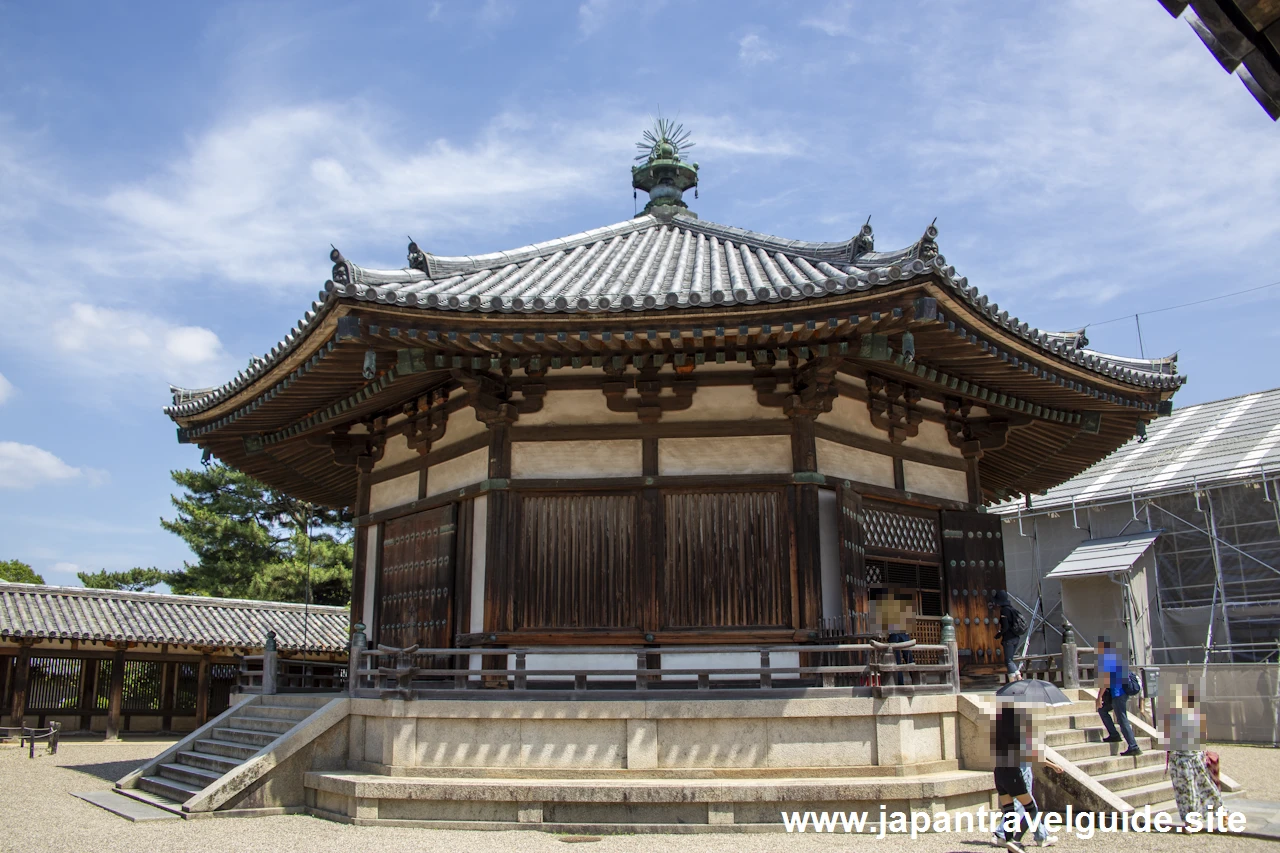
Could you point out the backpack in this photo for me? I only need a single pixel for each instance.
(1017, 625)
(1132, 685)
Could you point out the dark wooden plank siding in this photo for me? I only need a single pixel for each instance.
(575, 559)
(726, 560)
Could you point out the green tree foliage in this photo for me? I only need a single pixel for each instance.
(130, 580)
(251, 541)
(17, 571)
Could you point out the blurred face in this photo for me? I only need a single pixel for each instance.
(894, 614)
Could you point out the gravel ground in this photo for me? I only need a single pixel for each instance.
(37, 814)
(1255, 767)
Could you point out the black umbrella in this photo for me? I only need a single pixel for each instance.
(1035, 692)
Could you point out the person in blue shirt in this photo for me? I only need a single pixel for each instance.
(1112, 700)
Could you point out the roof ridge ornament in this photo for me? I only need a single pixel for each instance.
(864, 242)
(341, 267)
(663, 174)
(418, 259)
(927, 248)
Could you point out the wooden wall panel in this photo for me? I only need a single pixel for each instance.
(726, 560)
(575, 562)
(415, 594)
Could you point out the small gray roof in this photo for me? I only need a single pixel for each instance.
(660, 263)
(75, 613)
(1104, 556)
(1237, 439)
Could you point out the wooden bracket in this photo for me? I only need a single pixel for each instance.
(893, 409)
(362, 451)
(650, 403)
(492, 398)
(975, 436)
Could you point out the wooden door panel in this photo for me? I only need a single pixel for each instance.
(415, 594)
(973, 564)
(852, 561)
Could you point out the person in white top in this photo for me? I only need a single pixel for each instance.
(1184, 727)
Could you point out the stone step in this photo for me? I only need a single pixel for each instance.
(1086, 750)
(1072, 721)
(311, 701)
(1115, 763)
(189, 775)
(281, 712)
(1071, 737)
(262, 724)
(219, 764)
(250, 738)
(1126, 780)
(179, 792)
(1152, 794)
(237, 751)
(160, 801)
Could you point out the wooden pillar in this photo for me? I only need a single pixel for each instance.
(803, 504)
(115, 702)
(360, 558)
(88, 691)
(202, 689)
(974, 480)
(168, 687)
(21, 678)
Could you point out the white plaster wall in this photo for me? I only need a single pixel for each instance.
(722, 660)
(567, 408)
(725, 403)
(933, 437)
(454, 474)
(401, 490)
(852, 463)
(461, 425)
(545, 459)
(746, 454)
(850, 414)
(397, 451)
(922, 479)
(829, 552)
(569, 663)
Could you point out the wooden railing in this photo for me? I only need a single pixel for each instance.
(269, 674)
(28, 735)
(872, 668)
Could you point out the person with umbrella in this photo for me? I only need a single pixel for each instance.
(1016, 748)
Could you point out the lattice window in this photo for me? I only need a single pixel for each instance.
(895, 531)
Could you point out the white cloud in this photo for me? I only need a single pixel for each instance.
(115, 342)
(6, 389)
(753, 49)
(24, 466)
(592, 15)
(69, 571)
(835, 19)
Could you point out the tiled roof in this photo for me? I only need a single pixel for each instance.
(1244, 36)
(73, 613)
(1237, 439)
(660, 263)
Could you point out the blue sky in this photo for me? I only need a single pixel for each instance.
(172, 174)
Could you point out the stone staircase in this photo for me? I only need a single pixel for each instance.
(205, 757)
(1076, 733)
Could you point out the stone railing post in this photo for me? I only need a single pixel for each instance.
(358, 645)
(1070, 657)
(953, 651)
(270, 660)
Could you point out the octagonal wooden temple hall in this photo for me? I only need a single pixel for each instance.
(630, 506)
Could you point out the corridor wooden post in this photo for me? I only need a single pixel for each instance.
(115, 701)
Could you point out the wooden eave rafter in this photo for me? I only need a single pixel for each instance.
(321, 386)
